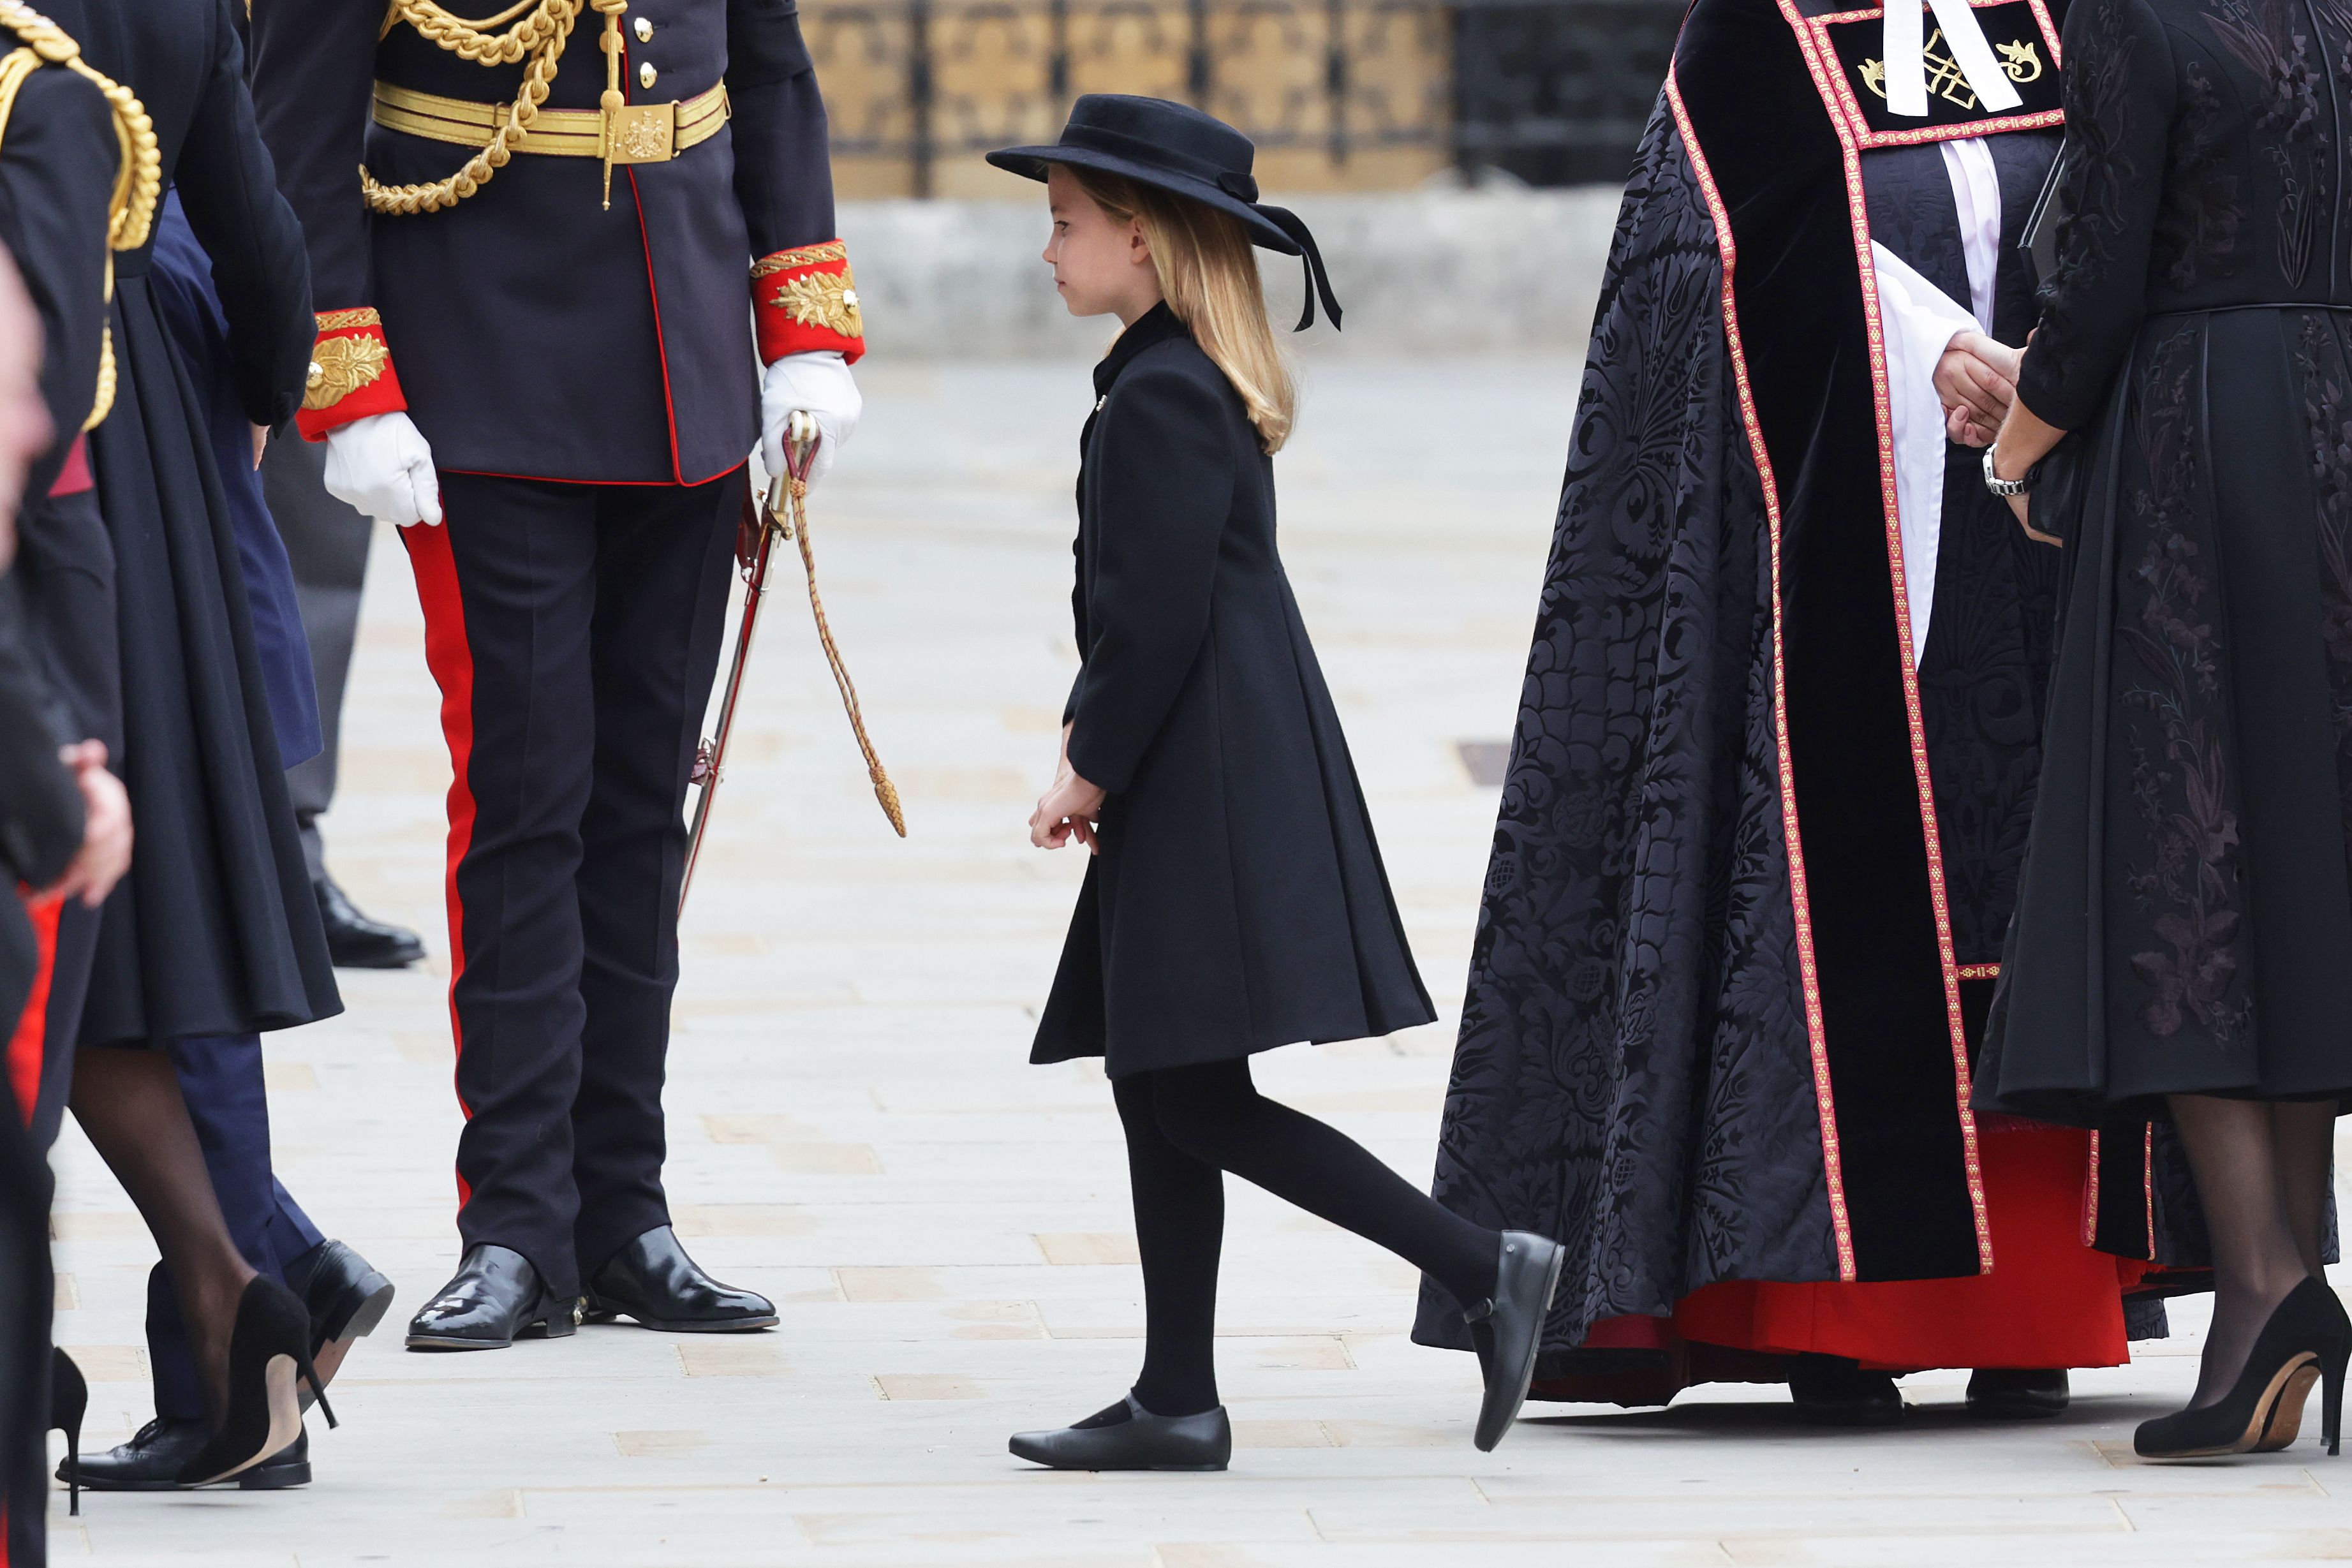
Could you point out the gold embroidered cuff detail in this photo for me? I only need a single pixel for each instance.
(341, 366)
(807, 256)
(342, 321)
(827, 300)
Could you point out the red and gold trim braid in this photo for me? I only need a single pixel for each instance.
(805, 299)
(350, 374)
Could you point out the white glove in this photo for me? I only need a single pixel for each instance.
(820, 383)
(381, 466)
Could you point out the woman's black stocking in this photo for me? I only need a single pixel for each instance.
(1186, 1125)
(127, 1102)
(2235, 1153)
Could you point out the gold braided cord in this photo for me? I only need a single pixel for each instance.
(20, 64)
(807, 256)
(796, 525)
(139, 186)
(103, 405)
(541, 34)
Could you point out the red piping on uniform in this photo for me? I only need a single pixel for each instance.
(669, 405)
(451, 658)
(639, 484)
(29, 1044)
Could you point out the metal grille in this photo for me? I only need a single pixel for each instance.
(1348, 92)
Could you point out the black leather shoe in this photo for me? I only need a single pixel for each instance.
(347, 1298)
(152, 1461)
(1127, 1437)
(1508, 1328)
(654, 1281)
(356, 941)
(1833, 1391)
(496, 1299)
(2013, 1394)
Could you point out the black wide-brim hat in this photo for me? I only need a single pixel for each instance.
(1176, 148)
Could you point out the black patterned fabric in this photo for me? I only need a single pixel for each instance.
(2199, 782)
(1633, 1076)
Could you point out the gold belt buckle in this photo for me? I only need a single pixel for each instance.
(641, 132)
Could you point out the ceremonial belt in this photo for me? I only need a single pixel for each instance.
(641, 132)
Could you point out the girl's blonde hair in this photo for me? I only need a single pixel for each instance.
(1208, 274)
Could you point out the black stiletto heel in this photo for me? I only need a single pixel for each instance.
(269, 1351)
(68, 1403)
(2331, 1399)
(2308, 1339)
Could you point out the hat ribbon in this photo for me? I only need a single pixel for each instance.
(1319, 281)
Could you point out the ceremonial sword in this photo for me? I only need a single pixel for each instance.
(785, 513)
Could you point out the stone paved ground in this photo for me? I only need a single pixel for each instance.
(854, 1132)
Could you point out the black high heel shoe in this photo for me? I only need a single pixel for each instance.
(269, 1357)
(68, 1403)
(2308, 1339)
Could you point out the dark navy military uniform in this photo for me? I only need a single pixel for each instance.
(586, 375)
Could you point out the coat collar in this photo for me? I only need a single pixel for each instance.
(1156, 325)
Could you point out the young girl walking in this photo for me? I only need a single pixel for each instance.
(1235, 900)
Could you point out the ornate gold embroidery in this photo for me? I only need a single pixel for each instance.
(2016, 59)
(827, 300)
(807, 256)
(2020, 63)
(341, 366)
(339, 320)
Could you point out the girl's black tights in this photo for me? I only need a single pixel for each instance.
(1185, 1126)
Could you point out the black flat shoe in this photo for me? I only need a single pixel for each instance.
(1833, 1391)
(2308, 1339)
(495, 1299)
(356, 941)
(268, 1351)
(346, 1298)
(2013, 1394)
(654, 1281)
(1127, 1437)
(68, 1403)
(152, 1460)
(1507, 1328)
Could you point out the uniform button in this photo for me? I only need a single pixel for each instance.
(645, 29)
(647, 75)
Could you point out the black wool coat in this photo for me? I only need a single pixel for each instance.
(1238, 902)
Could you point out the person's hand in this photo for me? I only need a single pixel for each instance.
(260, 443)
(105, 852)
(381, 467)
(818, 384)
(1068, 810)
(1975, 380)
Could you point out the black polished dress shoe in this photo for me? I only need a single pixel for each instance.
(495, 1299)
(1507, 1328)
(654, 1281)
(152, 1461)
(1127, 1437)
(356, 941)
(2017, 1393)
(1833, 1391)
(347, 1298)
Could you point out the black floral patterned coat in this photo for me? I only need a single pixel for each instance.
(2185, 919)
(1752, 871)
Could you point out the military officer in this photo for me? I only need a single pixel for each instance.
(551, 251)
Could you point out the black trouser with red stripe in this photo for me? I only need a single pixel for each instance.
(574, 631)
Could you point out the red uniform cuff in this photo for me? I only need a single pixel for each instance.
(805, 299)
(350, 374)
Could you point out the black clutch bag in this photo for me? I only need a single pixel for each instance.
(2038, 237)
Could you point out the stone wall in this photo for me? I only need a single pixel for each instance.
(1491, 272)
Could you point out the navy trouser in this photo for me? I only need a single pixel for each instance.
(574, 631)
(220, 1078)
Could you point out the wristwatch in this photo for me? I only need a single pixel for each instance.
(2007, 488)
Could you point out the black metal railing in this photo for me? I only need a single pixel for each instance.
(1555, 91)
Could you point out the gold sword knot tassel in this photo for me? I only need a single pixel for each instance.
(612, 102)
(801, 439)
